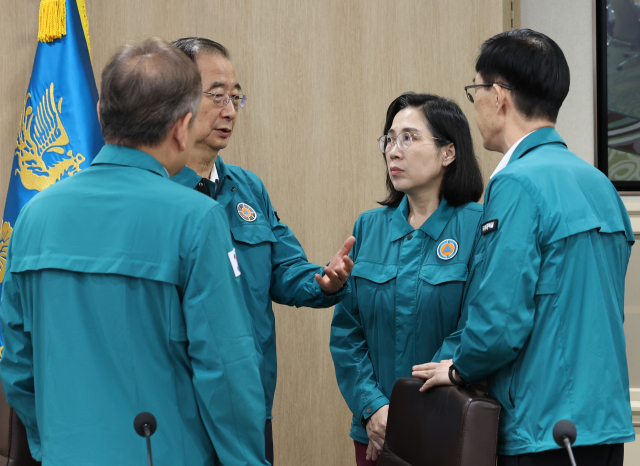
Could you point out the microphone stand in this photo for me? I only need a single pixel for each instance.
(145, 425)
(147, 433)
(567, 445)
(564, 434)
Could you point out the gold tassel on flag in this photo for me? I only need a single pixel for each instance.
(52, 20)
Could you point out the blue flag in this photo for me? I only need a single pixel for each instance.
(59, 132)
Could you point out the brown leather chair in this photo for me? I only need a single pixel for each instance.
(14, 448)
(444, 426)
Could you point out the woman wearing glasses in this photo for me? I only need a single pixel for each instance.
(411, 261)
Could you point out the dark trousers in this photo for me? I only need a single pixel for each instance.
(592, 455)
(268, 441)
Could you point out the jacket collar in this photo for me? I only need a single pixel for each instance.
(113, 154)
(223, 171)
(433, 227)
(546, 135)
(187, 177)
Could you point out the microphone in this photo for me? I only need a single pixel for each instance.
(565, 433)
(145, 425)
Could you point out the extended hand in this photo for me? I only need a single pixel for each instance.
(376, 430)
(435, 373)
(338, 270)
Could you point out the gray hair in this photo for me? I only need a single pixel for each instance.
(146, 88)
(194, 46)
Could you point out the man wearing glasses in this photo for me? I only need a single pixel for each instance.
(272, 264)
(545, 307)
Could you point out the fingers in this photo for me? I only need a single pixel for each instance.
(348, 263)
(341, 267)
(331, 274)
(422, 374)
(376, 448)
(341, 273)
(425, 367)
(347, 246)
(377, 445)
(370, 450)
(331, 282)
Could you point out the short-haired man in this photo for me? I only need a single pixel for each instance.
(546, 300)
(108, 308)
(274, 266)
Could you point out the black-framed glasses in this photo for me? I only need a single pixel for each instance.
(221, 100)
(403, 141)
(473, 86)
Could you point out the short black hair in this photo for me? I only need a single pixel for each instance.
(193, 46)
(462, 181)
(532, 65)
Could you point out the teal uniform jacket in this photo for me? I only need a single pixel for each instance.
(273, 264)
(545, 309)
(120, 297)
(407, 288)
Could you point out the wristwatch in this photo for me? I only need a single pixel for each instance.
(461, 382)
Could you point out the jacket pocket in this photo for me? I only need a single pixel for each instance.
(253, 233)
(374, 272)
(437, 274)
(375, 293)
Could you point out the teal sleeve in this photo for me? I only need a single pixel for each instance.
(293, 280)
(354, 369)
(449, 346)
(501, 314)
(450, 343)
(221, 348)
(16, 366)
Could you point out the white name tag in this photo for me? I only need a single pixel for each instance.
(234, 262)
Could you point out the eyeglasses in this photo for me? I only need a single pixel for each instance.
(403, 141)
(221, 101)
(473, 86)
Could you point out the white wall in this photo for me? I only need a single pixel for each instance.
(570, 24)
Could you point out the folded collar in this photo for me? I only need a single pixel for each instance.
(114, 154)
(434, 226)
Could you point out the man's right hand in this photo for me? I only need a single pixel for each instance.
(376, 430)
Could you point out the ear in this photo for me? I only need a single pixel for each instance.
(502, 96)
(98, 110)
(181, 131)
(449, 155)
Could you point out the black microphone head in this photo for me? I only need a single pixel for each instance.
(562, 429)
(143, 419)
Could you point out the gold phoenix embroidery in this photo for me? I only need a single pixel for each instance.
(47, 135)
(5, 236)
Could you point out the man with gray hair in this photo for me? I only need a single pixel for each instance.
(274, 265)
(111, 305)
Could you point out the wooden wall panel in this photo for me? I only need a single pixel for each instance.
(319, 75)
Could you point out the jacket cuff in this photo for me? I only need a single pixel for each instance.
(464, 375)
(339, 296)
(323, 299)
(371, 408)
